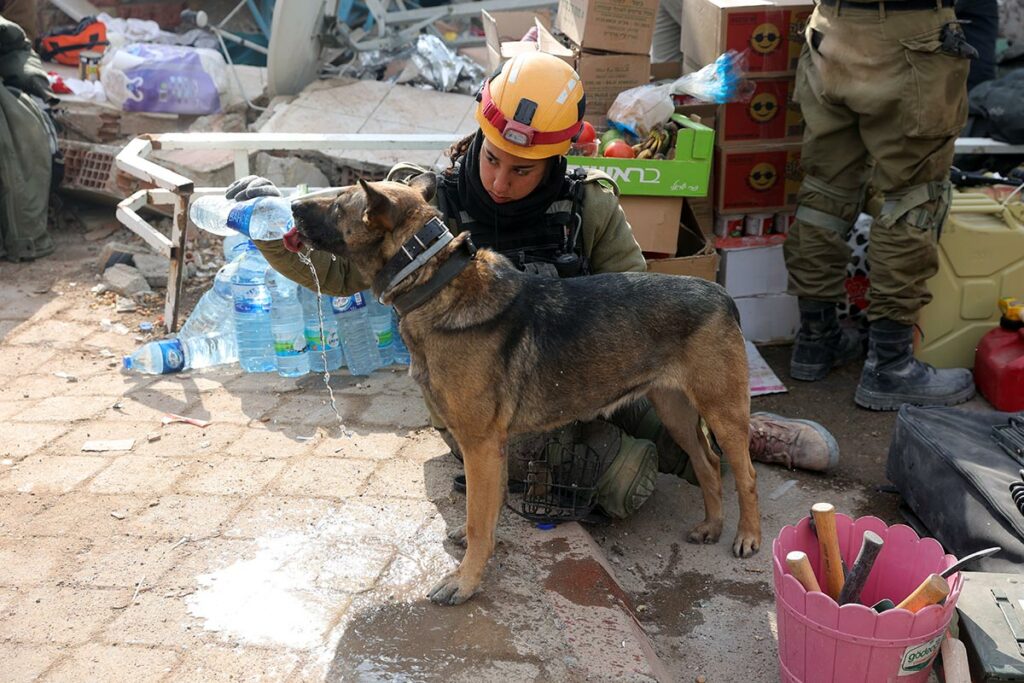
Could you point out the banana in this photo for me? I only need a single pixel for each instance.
(645, 154)
(666, 142)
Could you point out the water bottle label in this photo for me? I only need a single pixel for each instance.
(240, 215)
(174, 358)
(249, 299)
(384, 339)
(289, 345)
(313, 340)
(342, 304)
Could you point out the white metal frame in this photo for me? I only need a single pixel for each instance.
(175, 190)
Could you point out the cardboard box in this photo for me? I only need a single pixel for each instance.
(503, 32)
(695, 257)
(655, 222)
(625, 26)
(770, 115)
(603, 75)
(686, 175)
(703, 214)
(757, 178)
(770, 318)
(753, 270)
(770, 32)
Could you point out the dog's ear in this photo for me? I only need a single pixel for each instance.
(378, 206)
(426, 184)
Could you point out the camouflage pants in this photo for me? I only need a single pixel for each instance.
(883, 103)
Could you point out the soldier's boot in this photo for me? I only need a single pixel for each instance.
(892, 376)
(792, 443)
(822, 343)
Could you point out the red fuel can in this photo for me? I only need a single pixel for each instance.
(999, 366)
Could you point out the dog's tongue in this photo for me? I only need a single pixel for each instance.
(292, 241)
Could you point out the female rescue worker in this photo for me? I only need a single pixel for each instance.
(508, 186)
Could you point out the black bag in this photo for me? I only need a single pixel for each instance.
(955, 478)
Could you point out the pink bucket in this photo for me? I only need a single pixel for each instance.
(819, 641)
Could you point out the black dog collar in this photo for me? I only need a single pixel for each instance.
(455, 264)
(416, 251)
(413, 255)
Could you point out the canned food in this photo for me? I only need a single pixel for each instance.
(758, 223)
(784, 221)
(89, 65)
(729, 225)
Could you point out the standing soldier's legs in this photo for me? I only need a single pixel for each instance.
(910, 131)
(835, 167)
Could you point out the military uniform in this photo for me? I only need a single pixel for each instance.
(882, 87)
(875, 84)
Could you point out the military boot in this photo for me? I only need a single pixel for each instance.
(821, 344)
(792, 443)
(892, 376)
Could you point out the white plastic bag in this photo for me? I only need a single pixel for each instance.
(640, 109)
(171, 79)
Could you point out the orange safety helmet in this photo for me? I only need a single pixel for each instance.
(532, 107)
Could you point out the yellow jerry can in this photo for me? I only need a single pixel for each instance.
(981, 260)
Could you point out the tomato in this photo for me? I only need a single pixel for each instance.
(620, 149)
(587, 134)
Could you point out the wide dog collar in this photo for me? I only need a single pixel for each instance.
(414, 254)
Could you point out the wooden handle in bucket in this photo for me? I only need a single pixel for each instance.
(800, 568)
(828, 543)
(931, 591)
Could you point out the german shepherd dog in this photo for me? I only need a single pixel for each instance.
(498, 352)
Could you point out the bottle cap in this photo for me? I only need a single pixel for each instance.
(127, 362)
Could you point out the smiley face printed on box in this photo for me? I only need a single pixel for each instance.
(765, 38)
(763, 107)
(762, 177)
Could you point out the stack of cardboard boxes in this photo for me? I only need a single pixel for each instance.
(757, 150)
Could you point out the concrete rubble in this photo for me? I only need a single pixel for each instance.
(126, 280)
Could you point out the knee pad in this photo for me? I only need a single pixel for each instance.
(829, 209)
(908, 206)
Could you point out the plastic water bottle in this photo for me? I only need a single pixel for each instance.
(252, 313)
(262, 218)
(206, 339)
(287, 325)
(380, 323)
(356, 335)
(234, 246)
(320, 345)
(401, 351)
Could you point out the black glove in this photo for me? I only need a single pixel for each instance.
(250, 187)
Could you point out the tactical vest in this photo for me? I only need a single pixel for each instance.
(552, 247)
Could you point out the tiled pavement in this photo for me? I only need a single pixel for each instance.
(272, 544)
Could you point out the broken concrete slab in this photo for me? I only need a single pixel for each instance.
(117, 252)
(352, 106)
(153, 268)
(126, 280)
(289, 171)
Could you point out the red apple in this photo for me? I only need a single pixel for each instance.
(587, 134)
(620, 149)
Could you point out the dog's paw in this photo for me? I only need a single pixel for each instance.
(746, 544)
(452, 590)
(458, 535)
(706, 532)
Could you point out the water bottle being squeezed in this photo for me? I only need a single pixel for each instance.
(262, 218)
